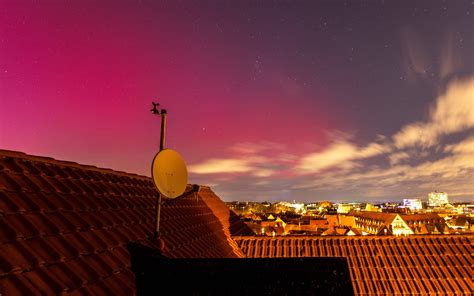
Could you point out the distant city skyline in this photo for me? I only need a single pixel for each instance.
(267, 101)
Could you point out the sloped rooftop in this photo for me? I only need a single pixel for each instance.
(383, 265)
(66, 227)
(385, 218)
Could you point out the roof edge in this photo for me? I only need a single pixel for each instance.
(25, 156)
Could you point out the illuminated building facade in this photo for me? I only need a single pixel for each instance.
(344, 208)
(397, 224)
(413, 204)
(381, 223)
(437, 199)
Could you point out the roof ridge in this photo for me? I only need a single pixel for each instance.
(45, 159)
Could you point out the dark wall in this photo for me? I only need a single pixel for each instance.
(239, 276)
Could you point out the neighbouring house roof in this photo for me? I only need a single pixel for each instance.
(385, 218)
(421, 229)
(341, 230)
(65, 226)
(329, 231)
(460, 222)
(332, 220)
(348, 221)
(429, 217)
(318, 222)
(384, 230)
(353, 231)
(383, 265)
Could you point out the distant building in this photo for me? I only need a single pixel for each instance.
(437, 199)
(413, 204)
(273, 226)
(344, 208)
(459, 222)
(347, 221)
(372, 208)
(399, 224)
(381, 223)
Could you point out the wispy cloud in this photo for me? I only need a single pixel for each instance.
(452, 112)
(248, 158)
(396, 158)
(216, 166)
(248, 148)
(450, 58)
(464, 147)
(452, 171)
(340, 154)
(414, 55)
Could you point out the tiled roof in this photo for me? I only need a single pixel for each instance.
(421, 217)
(233, 226)
(384, 265)
(385, 218)
(65, 227)
(318, 222)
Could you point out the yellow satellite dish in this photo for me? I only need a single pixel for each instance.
(169, 173)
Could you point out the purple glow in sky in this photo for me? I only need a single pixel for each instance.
(266, 100)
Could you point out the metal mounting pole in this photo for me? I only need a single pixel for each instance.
(163, 128)
(156, 232)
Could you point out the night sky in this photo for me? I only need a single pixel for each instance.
(266, 100)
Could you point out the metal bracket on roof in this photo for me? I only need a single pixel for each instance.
(161, 112)
(196, 189)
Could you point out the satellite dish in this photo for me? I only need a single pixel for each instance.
(169, 173)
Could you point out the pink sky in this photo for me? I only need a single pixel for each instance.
(266, 86)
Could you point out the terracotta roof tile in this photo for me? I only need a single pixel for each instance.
(21, 224)
(17, 256)
(17, 284)
(45, 169)
(66, 226)
(86, 273)
(63, 246)
(9, 204)
(380, 264)
(45, 253)
(7, 233)
(10, 164)
(45, 281)
(6, 182)
(43, 183)
(40, 201)
(25, 183)
(66, 275)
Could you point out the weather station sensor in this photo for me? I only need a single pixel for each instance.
(168, 171)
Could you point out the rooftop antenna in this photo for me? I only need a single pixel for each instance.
(168, 171)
